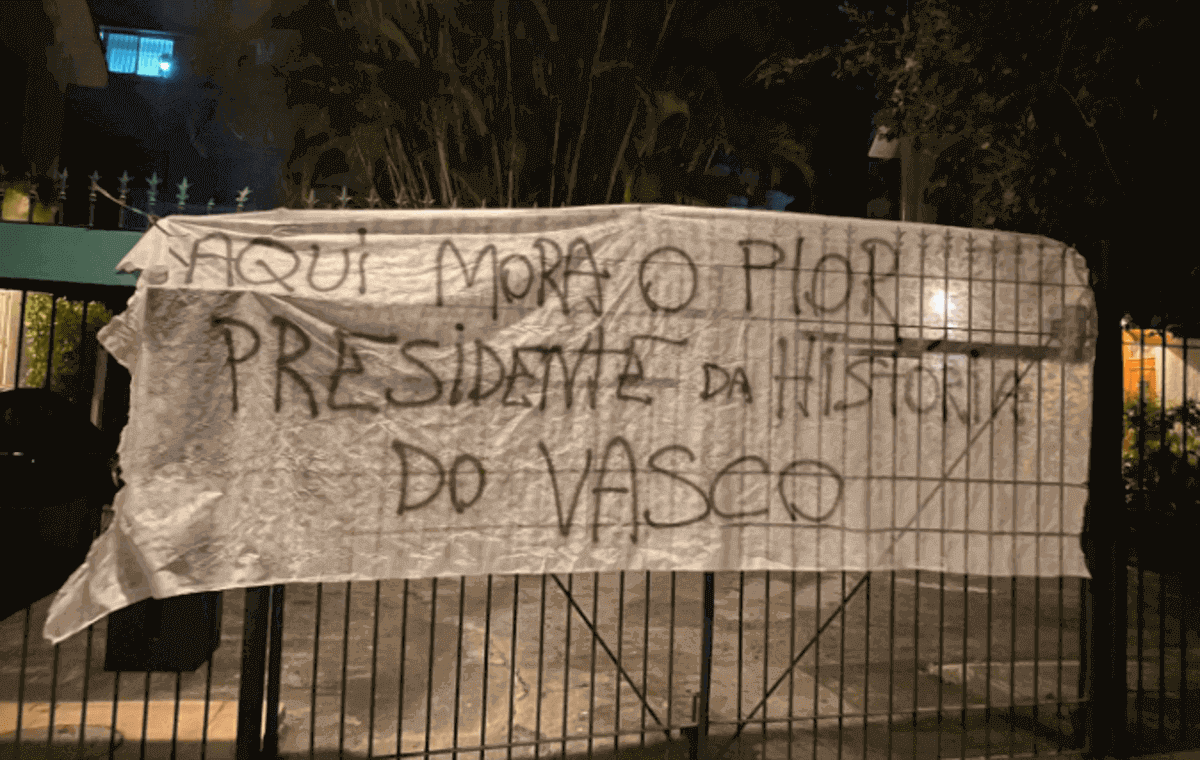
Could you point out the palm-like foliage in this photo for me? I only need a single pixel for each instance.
(512, 103)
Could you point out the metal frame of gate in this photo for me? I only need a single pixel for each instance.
(1099, 714)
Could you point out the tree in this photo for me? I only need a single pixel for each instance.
(519, 103)
(1058, 118)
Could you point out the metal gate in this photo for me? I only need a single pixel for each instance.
(728, 665)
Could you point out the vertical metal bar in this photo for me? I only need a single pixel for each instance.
(274, 662)
(254, 658)
(345, 663)
(1037, 647)
(1012, 647)
(374, 672)
(312, 703)
(816, 694)
(53, 699)
(403, 657)
(175, 718)
(112, 735)
(792, 675)
(766, 651)
(706, 641)
(741, 639)
(966, 599)
(537, 721)
(83, 700)
(1106, 526)
(1143, 415)
(1184, 581)
(592, 678)
(487, 653)
(891, 708)
(620, 655)
(916, 643)
(671, 654)
(941, 667)
(1164, 576)
(462, 593)
(207, 702)
(512, 664)
(842, 671)
(429, 674)
(567, 659)
(145, 716)
(1062, 501)
(646, 662)
(567, 664)
(866, 666)
(987, 676)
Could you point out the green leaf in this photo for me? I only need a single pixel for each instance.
(393, 33)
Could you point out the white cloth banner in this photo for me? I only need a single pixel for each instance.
(351, 395)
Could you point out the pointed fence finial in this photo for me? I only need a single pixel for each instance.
(182, 195)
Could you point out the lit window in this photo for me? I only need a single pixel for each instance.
(144, 55)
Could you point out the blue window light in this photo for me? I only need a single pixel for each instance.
(144, 55)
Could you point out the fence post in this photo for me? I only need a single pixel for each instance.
(254, 656)
(270, 744)
(1104, 627)
(699, 744)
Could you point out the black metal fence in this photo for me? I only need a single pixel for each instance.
(750, 664)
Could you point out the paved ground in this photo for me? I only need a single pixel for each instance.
(896, 656)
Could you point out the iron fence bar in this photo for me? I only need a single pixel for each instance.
(83, 700)
(792, 677)
(646, 657)
(700, 745)
(345, 664)
(795, 661)
(566, 657)
(537, 724)
(145, 716)
(1164, 577)
(53, 699)
(112, 736)
(620, 652)
(462, 592)
(21, 683)
(403, 658)
(270, 742)
(175, 717)
(1184, 728)
(207, 697)
(766, 645)
(254, 657)
(1140, 698)
(374, 667)
(512, 660)
(597, 638)
(1012, 646)
(670, 657)
(592, 679)
(487, 654)
(429, 676)
(741, 637)
(816, 692)
(841, 674)
(312, 710)
(1105, 527)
